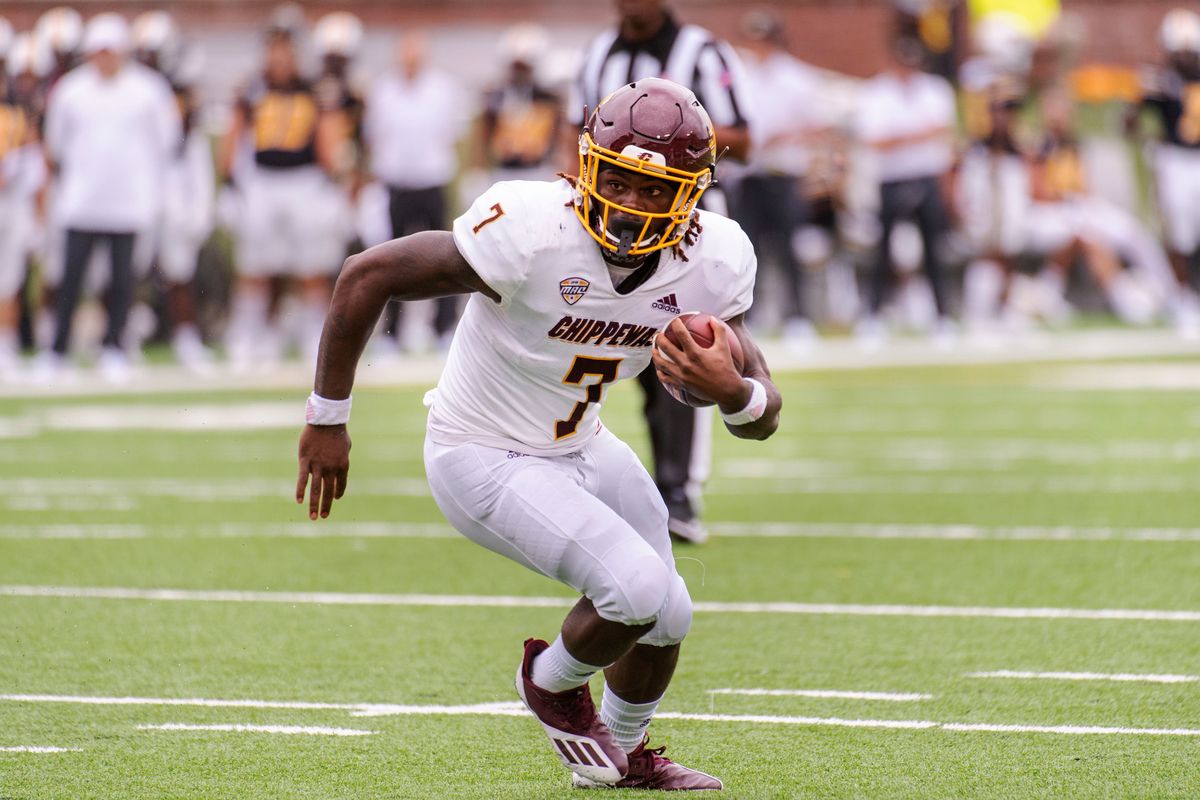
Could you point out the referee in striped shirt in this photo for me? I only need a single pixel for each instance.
(648, 42)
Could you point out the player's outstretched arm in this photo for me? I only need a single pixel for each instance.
(710, 372)
(415, 267)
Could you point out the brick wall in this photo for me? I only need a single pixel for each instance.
(845, 35)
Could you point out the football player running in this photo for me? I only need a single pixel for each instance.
(516, 456)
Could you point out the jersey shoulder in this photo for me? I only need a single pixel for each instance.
(721, 238)
(511, 223)
(724, 253)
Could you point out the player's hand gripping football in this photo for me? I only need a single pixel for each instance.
(324, 454)
(708, 373)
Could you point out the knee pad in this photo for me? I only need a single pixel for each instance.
(674, 619)
(631, 585)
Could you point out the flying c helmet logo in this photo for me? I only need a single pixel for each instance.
(572, 289)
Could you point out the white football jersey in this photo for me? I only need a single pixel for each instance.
(528, 374)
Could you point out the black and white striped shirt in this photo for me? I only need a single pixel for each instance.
(686, 54)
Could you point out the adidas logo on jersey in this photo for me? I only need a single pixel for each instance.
(668, 303)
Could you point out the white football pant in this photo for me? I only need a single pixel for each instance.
(592, 519)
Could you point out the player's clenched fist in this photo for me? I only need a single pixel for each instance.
(707, 372)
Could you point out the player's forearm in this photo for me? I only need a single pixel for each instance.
(355, 307)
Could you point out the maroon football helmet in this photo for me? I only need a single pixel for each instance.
(654, 127)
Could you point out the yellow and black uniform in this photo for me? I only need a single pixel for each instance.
(14, 123)
(292, 222)
(520, 126)
(1059, 164)
(1174, 97)
(337, 97)
(283, 123)
(1175, 101)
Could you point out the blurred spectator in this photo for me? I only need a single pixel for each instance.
(939, 27)
(992, 188)
(1172, 94)
(521, 118)
(278, 155)
(907, 118)
(61, 31)
(185, 218)
(110, 128)
(415, 118)
(649, 42)
(786, 112)
(28, 63)
(1066, 214)
(22, 172)
(337, 38)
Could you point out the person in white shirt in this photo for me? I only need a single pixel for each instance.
(111, 126)
(186, 218)
(415, 116)
(786, 114)
(565, 280)
(907, 117)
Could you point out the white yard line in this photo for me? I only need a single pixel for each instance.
(233, 530)
(355, 709)
(904, 484)
(198, 490)
(503, 601)
(307, 730)
(514, 709)
(834, 694)
(177, 701)
(951, 532)
(747, 530)
(1086, 676)
(1067, 729)
(56, 493)
(39, 749)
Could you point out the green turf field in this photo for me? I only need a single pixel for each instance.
(906, 532)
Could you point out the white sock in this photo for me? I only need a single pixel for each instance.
(627, 721)
(556, 670)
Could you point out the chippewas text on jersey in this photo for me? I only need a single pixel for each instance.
(581, 330)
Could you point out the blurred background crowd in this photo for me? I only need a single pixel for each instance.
(980, 169)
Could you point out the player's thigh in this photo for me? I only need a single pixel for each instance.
(146, 243)
(1176, 178)
(15, 231)
(622, 483)
(536, 512)
(318, 225)
(1049, 227)
(262, 247)
(178, 255)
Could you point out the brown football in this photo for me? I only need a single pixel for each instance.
(700, 326)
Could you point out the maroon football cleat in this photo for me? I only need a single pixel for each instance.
(648, 769)
(569, 718)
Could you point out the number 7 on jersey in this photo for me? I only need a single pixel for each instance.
(605, 369)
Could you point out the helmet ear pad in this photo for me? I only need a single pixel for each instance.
(654, 127)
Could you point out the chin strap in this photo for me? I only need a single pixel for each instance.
(626, 243)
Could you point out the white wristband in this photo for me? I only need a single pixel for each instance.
(323, 411)
(754, 409)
